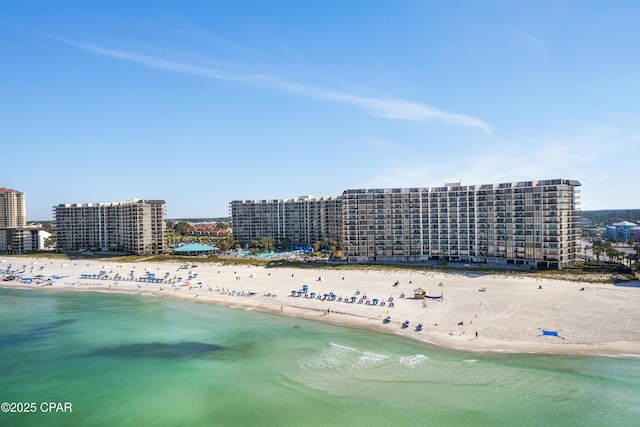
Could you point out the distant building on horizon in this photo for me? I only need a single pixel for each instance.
(16, 237)
(206, 229)
(529, 223)
(623, 231)
(135, 226)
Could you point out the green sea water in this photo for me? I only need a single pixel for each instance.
(125, 360)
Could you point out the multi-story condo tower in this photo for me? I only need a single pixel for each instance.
(528, 223)
(135, 226)
(301, 221)
(12, 208)
(15, 236)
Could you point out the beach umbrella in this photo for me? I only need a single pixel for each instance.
(353, 298)
(313, 294)
(305, 287)
(326, 295)
(375, 300)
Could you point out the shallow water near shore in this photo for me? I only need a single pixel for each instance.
(134, 360)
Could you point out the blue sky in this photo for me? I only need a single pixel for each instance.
(201, 103)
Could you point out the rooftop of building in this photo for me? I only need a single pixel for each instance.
(5, 190)
(624, 224)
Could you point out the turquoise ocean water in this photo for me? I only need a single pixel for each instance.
(124, 360)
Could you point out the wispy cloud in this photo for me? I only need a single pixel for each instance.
(389, 108)
(545, 157)
(535, 44)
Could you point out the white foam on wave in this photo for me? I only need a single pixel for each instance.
(369, 359)
(337, 356)
(412, 361)
(470, 361)
(334, 356)
(341, 348)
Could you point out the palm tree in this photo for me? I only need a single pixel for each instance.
(597, 251)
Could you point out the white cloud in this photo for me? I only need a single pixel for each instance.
(584, 156)
(389, 108)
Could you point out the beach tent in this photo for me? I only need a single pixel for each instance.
(193, 249)
(550, 333)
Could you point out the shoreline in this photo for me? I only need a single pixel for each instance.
(506, 313)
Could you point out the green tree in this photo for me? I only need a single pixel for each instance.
(598, 249)
(282, 244)
(226, 243)
(223, 225)
(181, 227)
(266, 244)
(50, 242)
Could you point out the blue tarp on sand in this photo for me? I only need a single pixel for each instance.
(550, 333)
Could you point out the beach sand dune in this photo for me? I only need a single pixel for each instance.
(495, 313)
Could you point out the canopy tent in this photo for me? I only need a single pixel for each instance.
(193, 249)
(549, 333)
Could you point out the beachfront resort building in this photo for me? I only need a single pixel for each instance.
(532, 223)
(16, 237)
(135, 226)
(12, 208)
(301, 221)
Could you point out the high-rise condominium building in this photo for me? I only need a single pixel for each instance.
(135, 226)
(532, 223)
(15, 236)
(301, 221)
(12, 208)
(528, 223)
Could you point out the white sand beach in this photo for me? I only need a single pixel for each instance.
(508, 313)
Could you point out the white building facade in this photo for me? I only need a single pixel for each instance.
(12, 208)
(15, 236)
(532, 223)
(135, 226)
(301, 221)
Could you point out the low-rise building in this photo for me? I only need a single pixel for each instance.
(622, 231)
